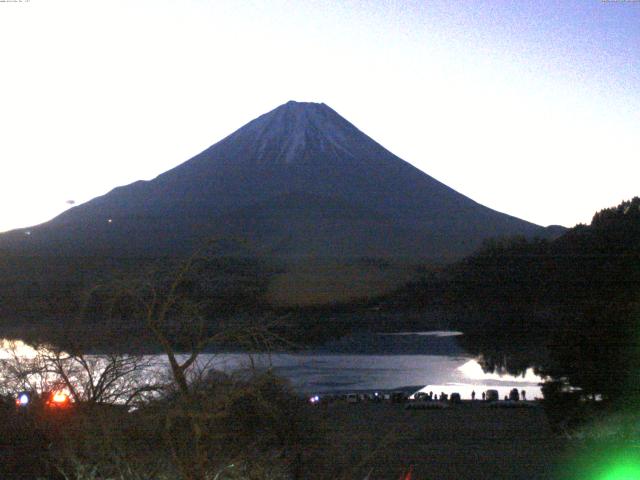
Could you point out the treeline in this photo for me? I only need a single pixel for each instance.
(51, 298)
(568, 307)
(55, 299)
(60, 300)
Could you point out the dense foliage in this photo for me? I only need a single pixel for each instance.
(44, 298)
(227, 427)
(569, 306)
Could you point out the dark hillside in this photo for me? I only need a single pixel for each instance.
(60, 298)
(569, 306)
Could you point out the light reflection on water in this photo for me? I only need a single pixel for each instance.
(11, 348)
(323, 372)
(315, 373)
(470, 378)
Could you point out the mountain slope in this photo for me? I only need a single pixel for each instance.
(299, 180)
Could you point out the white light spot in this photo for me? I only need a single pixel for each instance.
(473, 370)
(16, 349)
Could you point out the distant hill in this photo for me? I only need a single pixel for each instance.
(298, 181)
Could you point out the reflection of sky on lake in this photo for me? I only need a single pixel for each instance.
(15, 348)
(433, 333)
(386, 361)
(469, 378)
(316, 372)
(326, 372)
(313, 373)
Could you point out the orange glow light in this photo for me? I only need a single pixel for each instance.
(59, 398)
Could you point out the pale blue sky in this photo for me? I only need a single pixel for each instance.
(531, 108)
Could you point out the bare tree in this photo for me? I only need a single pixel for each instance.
(169, 313)
(21, 369)
(197, 422)
(180, 323)
(111, 378)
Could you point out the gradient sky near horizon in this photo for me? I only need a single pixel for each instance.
(528, 107)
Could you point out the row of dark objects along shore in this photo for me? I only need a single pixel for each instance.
(423, 400)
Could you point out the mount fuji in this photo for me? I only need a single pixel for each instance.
(298, 181)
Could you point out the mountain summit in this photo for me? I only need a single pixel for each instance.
(297, 181)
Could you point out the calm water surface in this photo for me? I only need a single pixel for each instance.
(448, 370)
(316, 373)
(319, 372)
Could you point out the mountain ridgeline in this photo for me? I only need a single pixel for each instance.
(298, 181)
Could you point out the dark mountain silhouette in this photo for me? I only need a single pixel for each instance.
(297, 181)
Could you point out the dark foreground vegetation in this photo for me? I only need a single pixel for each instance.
(257, 429)
(234, 428)
(467, 441)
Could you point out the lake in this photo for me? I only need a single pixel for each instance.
(440, 367)
(374, 362)
(324, 373)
